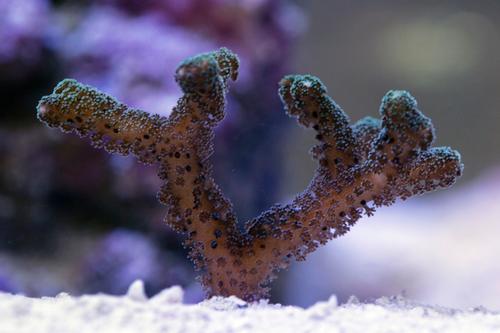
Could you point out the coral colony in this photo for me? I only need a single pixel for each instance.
(361, 166)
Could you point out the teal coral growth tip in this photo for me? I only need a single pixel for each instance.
(362, 166)
(201, 72)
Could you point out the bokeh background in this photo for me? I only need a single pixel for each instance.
(74, 219)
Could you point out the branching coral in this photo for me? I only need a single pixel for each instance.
(361, 167)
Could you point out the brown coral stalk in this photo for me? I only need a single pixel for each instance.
(361, 167)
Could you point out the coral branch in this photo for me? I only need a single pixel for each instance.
(361, 167)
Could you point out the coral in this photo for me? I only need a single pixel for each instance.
(361, 166)
(157, 35)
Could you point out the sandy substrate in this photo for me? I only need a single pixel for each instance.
(165, 312)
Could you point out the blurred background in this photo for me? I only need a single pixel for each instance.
(75, 219)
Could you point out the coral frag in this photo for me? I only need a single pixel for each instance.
(361, 166)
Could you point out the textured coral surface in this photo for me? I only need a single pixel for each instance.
(361, 166)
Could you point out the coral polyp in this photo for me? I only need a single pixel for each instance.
(362, 166)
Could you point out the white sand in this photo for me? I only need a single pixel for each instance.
(165, 312)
